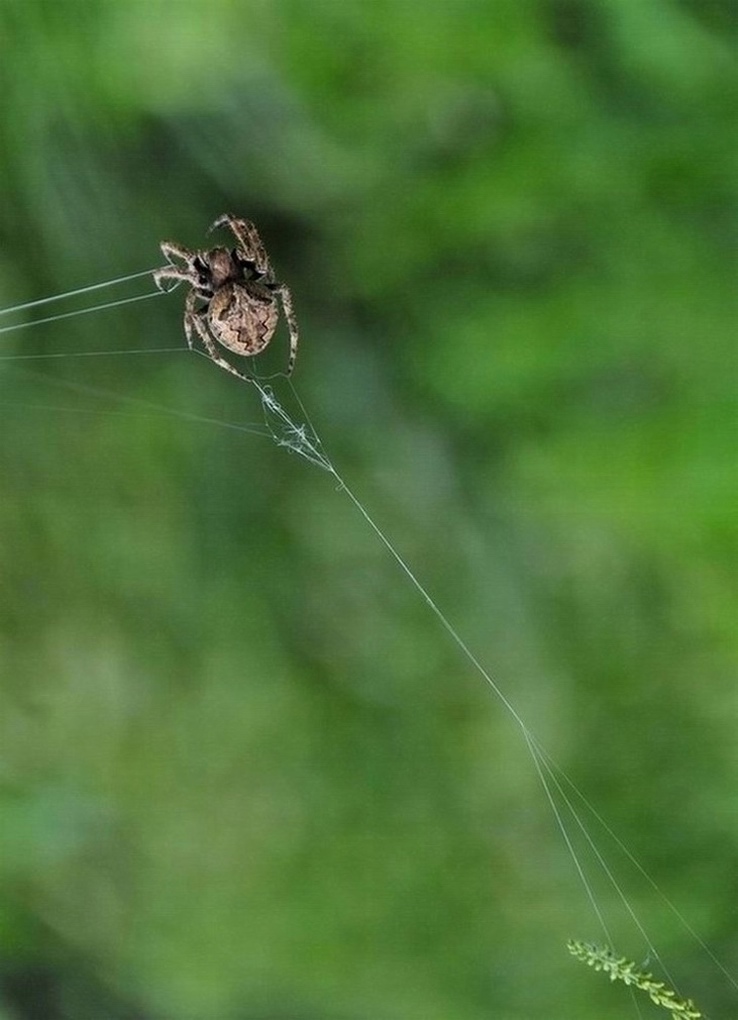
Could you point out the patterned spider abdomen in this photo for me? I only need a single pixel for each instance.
(243, 317)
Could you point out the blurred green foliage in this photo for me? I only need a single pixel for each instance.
(244, 773)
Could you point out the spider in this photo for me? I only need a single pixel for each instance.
(234, 294)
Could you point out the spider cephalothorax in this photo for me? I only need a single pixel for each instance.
(234, 296)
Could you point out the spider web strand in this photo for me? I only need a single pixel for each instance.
(305, 441)
(74, 293)
(81, 311)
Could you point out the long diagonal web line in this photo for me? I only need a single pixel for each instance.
(304, 440)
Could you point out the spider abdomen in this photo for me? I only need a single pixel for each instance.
(243, 317)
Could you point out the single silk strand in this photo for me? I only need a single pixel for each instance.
(82, 311)
(74, 293)
(93, 354)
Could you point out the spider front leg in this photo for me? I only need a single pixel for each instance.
(196, 320)
(289, 314)
(252, 246)
(181, 274)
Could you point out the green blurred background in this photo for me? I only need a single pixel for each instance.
(245, 774)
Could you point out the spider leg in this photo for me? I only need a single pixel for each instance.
(191, 320)
(289, 314)
(196, 320)
(173, 273)
(169, 248)
(251, 243)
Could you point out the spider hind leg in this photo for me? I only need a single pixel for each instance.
(289, 313)
(196, 320)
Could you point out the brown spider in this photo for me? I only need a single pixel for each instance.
(234, 295)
